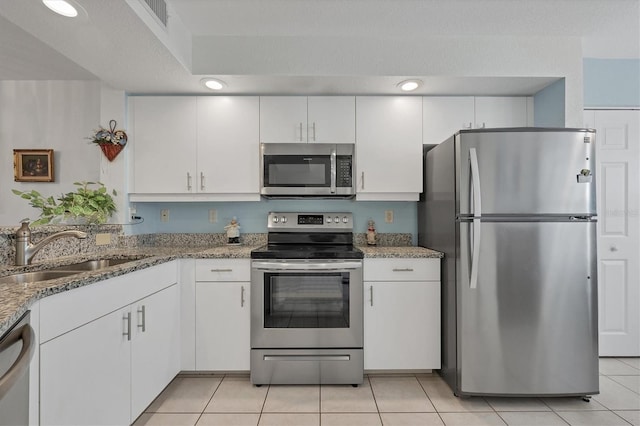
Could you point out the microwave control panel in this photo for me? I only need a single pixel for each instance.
(344, 175)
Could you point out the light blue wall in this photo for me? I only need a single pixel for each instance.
(611, 82)
(548, 105)
(194, 217)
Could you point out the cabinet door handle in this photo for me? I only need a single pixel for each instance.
(371, 295)
(241, 296)
(188, 181)
(143, 312)
(464, 125)
(402, 269)
(222, 270)
(127, 319)
(314, 131)
(201, 181)
(301, 132)
(362, 180)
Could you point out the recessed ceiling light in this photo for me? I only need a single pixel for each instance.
(213, 83)
(409, 85)
(61, 7)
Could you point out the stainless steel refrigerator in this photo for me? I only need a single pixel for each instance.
(514, 211)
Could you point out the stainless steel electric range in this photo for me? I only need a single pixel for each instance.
(307, 302)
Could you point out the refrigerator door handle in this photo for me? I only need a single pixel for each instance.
(475, 254)
(477, 211)
(475, 182)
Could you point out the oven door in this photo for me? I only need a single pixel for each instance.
(306, 304)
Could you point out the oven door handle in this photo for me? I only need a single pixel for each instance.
(285, 266)
(28, 337)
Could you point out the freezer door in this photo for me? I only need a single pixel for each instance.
(526, 172)
(529, 327)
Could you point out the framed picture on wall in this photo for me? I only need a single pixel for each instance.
(33, 165)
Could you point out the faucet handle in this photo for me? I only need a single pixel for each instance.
(24, 232)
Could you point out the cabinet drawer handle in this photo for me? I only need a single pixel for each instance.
(127, 318)
(241, 296)
(222, 270)
(402, 269)
(143, 311)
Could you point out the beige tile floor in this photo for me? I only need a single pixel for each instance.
(422, 399)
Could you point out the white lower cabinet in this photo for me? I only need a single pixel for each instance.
(85, 376)
(108, 349)
(401, 314)
(155, 352)
(223, 314)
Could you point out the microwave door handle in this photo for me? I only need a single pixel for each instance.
(333, 169)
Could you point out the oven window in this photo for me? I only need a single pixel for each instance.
(297, 171)
(306, 300)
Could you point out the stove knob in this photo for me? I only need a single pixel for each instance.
(345, 219)
(328, 219)
(284, 219)
(337, 219)
(275, 219)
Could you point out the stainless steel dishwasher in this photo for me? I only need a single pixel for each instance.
(16, 349)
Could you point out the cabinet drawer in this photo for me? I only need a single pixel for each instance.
(223, 270)
(402, 269)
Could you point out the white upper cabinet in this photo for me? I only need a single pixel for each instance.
(442, 116)
(314, 119)
(204, 147)
(445, 115)
(389, 154)
(228, 153)
(501, 111)
(163, 142)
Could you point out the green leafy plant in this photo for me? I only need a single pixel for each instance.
(94, 205)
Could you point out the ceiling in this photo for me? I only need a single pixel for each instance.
(121, 43)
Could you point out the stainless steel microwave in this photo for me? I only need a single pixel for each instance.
(292, 170)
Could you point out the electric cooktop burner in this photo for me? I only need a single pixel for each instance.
(309, 236)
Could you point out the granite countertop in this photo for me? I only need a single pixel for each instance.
(402, 251)
(15, 299)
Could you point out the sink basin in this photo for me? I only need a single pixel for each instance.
(30, 277)
(92, 265)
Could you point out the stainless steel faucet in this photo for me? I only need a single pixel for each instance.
(25, 249)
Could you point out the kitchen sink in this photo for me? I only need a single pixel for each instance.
(30, 277)
(63, 271)
(92, 265)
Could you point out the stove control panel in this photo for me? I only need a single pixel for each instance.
(310, 222)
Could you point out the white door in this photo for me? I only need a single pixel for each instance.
(228, 149)
(85, 374)
(618, 179)
(442, 116)
(222, 326)
(332, 119)
(500, 111)
(283, 119)
(163, 143)
(155, 349)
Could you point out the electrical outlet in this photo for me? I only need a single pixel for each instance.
(388, 216)
(103, 239)
(164, 215)
(213, 216)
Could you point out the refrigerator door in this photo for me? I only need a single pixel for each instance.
(529, 327)
(521, 171)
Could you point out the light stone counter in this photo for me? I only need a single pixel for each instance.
(15, 299)
(400, 251)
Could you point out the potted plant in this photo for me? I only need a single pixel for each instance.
(87, 203)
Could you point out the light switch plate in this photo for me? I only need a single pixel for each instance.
(213, 216)
(388, 216)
